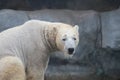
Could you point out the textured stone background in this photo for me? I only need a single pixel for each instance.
(98, 54)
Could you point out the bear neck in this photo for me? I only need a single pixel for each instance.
(50, 38)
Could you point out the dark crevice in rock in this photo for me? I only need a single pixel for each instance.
(98, 5)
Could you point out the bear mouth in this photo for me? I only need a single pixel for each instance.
(70, 53)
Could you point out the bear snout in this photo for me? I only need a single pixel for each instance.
(70, 50)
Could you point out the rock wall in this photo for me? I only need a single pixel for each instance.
(97, 55)
(111, 28)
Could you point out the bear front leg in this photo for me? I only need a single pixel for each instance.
(34, 73)
(36, 66)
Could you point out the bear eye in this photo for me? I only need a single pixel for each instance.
(74, 38)
(64, 39)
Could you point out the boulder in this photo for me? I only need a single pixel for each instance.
(105, 62)
(11, 18)
(70, 72)
(111, 29)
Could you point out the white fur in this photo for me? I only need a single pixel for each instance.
(32, 43)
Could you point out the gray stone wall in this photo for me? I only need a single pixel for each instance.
(97, 56)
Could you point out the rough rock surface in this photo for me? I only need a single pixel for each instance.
(11, 18)
(111, 28)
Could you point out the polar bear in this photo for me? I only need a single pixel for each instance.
(25, 49)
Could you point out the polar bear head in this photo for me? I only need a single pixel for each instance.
(67, 39)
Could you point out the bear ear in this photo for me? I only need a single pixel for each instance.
(76, 27)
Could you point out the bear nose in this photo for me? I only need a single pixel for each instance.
(70, 50)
